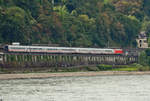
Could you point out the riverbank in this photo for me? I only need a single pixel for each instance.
(68, 74)
(88, 68)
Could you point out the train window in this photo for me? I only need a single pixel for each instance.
(17, 48)
(68, 49)
(108, 50)
(51, 49)
(35, 48)
(21, 48)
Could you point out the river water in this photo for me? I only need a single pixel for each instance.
(96, 88)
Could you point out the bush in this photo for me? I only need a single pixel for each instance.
(92, 68)
(147, 52)
(143, 68)
(105, 67)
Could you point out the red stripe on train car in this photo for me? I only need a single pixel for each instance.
(118, 51)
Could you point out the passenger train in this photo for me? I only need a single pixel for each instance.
(61, 50)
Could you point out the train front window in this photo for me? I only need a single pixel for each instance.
(6, 48)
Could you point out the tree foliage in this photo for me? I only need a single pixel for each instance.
(144, 58)
(80, 23)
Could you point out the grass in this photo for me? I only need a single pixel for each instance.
(133, 67)
(125, 69)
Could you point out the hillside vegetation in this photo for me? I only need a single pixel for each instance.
(75, 23)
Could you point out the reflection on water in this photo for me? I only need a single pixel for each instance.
(97, 88)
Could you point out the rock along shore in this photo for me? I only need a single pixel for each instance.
(68, 74)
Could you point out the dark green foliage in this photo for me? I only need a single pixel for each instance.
(147, 7)
(147, 52)
(144, 60)
(105, 67)
(79, 23)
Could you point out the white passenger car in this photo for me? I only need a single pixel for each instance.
(46, 49)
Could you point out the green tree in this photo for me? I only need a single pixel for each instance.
(13, 24)
(143, 59)
(146, 7)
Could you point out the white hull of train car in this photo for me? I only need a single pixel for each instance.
(45, 49)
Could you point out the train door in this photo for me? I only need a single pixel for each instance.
(27, 49)
(1, 56)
